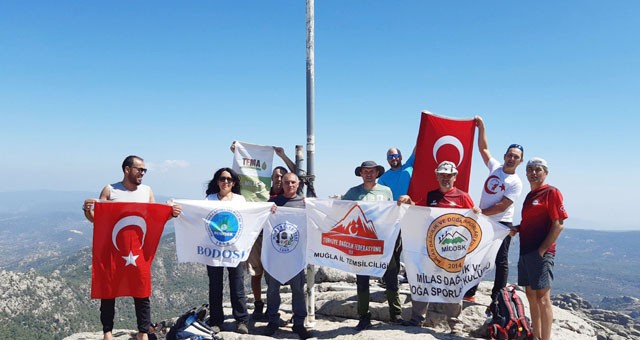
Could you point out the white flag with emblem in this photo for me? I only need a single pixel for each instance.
(354, 236)
(284, 243)
(218, 233)
(447, 251)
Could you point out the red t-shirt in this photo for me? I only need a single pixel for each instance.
(454, 198)
(541, 207)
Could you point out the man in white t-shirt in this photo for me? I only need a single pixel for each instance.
(501, 189)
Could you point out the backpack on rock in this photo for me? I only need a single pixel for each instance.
(509, 320)
(192, 325)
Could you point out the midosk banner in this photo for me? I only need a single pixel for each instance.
(284, 243)
(216, 233)
(447, 251)
(354, 236)
(253, 164)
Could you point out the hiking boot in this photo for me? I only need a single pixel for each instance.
(302, 331)
(412, 323)
(216, 328)
(471, 299)
(271, 329)
(241, 327)
(396, 320)
(258, 311)
(364, 323)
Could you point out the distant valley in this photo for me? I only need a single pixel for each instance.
(45, 255)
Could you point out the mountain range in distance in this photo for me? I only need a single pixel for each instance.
(39, 227)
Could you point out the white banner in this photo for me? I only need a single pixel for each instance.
(284, 243)
(447, 251)
(353, 236)
(218, 233)
(253, 163)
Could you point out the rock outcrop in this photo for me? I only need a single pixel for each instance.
(336, 317)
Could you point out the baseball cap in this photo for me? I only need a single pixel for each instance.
(537, 161)
(446, 167)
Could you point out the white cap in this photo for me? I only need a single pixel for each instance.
(446, 167)
(537, 161)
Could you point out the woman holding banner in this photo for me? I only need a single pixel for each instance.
(225, 186)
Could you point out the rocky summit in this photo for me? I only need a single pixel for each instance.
(336, 316)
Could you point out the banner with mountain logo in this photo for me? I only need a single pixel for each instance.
(253, 164)
(447, 251)
(354, 236)
(218, 233)
(284, 243)
(125, 240)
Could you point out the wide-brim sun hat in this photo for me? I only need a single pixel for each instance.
(370, 164)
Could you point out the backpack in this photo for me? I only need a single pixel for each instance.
(509, 321)
(192, 325)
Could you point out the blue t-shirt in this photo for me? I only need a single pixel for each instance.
(398, 180)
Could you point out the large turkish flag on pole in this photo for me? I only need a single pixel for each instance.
(441, 139)
(125, 239)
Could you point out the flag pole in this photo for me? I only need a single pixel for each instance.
(311, 301)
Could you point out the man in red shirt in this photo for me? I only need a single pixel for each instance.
(446, 196)
(543, 216)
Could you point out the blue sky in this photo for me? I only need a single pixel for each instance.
(83, 84)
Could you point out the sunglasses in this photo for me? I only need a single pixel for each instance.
(226, 179)
(395, 155)
(142, 170)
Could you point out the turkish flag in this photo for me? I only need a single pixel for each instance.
(125, 240)
(441, 139)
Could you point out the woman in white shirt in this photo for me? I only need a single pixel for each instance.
(225, 186)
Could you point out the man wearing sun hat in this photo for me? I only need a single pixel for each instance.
(370, 190)
(543, 216)
(446, 196)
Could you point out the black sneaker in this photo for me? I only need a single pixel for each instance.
(270, 329)
(302, 331)
(241, 327)
(396, 320)
(364, 323)
(412, 323)
(258, 311)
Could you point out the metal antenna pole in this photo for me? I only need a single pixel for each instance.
(311, 146)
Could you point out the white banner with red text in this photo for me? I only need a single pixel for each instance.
(354, 236)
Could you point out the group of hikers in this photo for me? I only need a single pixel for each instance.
(542, 220)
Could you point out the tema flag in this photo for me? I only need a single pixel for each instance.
(354, 236)
(441, 139)
(447, 251)
(253, 164)
(218, 233)
(284, 243)
(125, 239)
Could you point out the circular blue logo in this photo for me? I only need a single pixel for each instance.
(224, 226)
(285, 237)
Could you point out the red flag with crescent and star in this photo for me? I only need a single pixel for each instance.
(125, 240)
(441, 139)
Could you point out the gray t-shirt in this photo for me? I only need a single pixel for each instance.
(359, 193)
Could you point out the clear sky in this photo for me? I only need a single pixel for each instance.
(84, 84)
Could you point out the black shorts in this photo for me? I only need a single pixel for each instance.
(535, 270)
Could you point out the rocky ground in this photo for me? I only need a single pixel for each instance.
(336, 317)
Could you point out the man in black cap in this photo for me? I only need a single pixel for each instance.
(369, 190)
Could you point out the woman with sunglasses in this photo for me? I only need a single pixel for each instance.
(225, 186)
